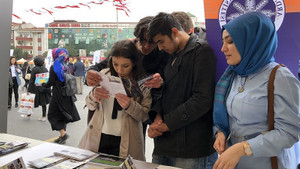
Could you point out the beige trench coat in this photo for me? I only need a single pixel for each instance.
(132, 140)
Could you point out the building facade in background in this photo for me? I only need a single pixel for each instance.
(29, 38)
(87, 37)
(80, 36)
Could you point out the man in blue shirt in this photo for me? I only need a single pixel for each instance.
(78, 68)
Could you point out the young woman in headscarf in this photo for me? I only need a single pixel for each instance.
(62, 109)
(241, 99)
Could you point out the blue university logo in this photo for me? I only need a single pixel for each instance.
(231, 9)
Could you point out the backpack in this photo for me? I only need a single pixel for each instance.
(70, 86)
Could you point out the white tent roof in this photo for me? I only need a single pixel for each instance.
(21, 61)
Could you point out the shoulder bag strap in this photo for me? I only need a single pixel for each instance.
(26, 70)
(274, 162)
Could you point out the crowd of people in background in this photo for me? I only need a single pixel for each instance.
(194, 120)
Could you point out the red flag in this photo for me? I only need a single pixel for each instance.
(122, 10)
(35, 12)
(50, 12)
(60, 7)
(73, 6)
(16, 16)
(84, 5)
(93, 2)
(100, 2)
(122, 6)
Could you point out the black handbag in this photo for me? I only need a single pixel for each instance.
(10, 82)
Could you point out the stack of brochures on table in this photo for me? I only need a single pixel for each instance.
(64, 159)
(12, 146)
(15, 164)
(46, 161)
(107, 160)
(78, 154)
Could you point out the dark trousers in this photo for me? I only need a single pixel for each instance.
(26, 83)
(110, 144)
(44, 108)
(13, 89)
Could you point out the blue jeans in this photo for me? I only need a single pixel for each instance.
(186, 163)
(211, 159)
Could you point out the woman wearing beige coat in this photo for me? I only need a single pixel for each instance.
(133, 112)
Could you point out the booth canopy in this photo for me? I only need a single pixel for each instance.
(31, 62)
(21, 61)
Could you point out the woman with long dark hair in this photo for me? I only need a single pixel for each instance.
(116, 126)
(14, 71)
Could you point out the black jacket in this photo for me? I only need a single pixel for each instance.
(61, 108)
(186, 104)
(42, 95)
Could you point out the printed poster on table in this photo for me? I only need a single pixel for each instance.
(284, 13)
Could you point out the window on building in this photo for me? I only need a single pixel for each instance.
(66, 41)
(76, 41)
(39, 44)
(39, 35)
(87, 41)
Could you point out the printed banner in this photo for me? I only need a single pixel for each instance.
(48, 59)
(284, 13)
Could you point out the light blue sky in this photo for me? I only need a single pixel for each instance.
(102, 13)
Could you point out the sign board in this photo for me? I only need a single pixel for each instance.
(284, 13)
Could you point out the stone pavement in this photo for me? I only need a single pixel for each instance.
(39, 130)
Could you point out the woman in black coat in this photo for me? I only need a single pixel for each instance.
(62, 109)
(42, 95)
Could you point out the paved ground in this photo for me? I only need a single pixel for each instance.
(42, 130)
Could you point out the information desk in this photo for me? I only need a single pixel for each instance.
(37, 149)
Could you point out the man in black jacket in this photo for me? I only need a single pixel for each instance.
(182, 117)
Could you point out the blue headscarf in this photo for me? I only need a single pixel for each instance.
(60, 56)
(255, 37)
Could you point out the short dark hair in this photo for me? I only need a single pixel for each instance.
(141, 27)
(196, 29)
(162, 24)
(185, 20)
(127, 49)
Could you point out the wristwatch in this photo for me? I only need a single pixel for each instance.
(247, 148)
